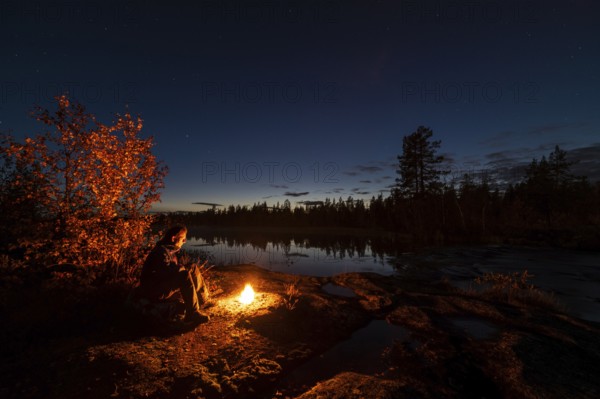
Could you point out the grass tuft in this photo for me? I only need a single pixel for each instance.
(515, 287)
(292, 295)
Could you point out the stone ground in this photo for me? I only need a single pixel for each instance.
(65, 343)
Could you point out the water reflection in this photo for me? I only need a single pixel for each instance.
(314, 254)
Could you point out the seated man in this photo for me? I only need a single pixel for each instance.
(162, 275)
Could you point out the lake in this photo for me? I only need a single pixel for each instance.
(295, 257)
(572, 276)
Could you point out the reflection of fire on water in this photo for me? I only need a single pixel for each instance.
(247, 295)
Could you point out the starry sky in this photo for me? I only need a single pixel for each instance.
(253, 101)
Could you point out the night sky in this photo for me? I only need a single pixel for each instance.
(252, 101)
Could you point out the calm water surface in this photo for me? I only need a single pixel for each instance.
(295, 258)
(572, 276)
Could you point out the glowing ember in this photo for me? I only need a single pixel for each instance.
(247, 296)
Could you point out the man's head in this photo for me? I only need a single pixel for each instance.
(176, 235)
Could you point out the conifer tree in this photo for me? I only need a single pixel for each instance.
(419, 165)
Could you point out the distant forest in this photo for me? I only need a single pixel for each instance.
(549, 205)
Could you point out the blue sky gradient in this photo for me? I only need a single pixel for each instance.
(267, 101)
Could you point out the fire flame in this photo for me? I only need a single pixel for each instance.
(247, 295)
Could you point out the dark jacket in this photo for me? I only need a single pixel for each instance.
(161, 264)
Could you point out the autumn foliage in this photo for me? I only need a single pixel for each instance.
(80, 191)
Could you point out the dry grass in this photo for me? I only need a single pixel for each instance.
(291, 295)
(515, 287)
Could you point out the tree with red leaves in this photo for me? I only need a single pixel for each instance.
(92, 185)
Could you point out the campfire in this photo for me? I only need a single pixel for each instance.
(248, 302)
(247, 295)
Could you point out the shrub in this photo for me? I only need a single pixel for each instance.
(90, 187)
(516, 287)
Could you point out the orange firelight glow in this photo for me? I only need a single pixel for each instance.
(247, 295)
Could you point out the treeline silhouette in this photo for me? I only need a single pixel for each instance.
(548, 205)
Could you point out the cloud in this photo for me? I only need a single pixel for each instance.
(376, 167)
(499, 138)
(292, 194)
(586, 153)
(520, 155)
(206, 203)
(499, 155)
(517, 155)
(551, 128)
(510, 166)
(507, 136)
(360, 191)
(586, 162)
(471, 161)
(278, 186)
(448, 157)
(369, 169)
(365, 181)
